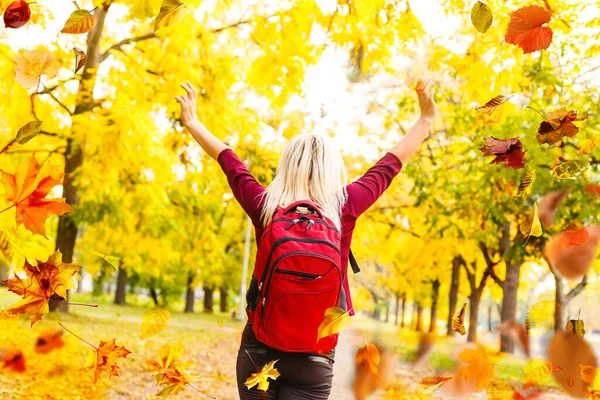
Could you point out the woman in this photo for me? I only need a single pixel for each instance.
(311, 168)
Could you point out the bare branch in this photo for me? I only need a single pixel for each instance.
(64, 107)
(119, 46)
(575, 291)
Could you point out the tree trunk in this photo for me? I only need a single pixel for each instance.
(190, 294)
(509, 302)
(377, 311)
(474, 299)
(387, 310)
(208, 299)
(435, 286)
(80, 282)
(403, 310)
(121, 283)
(223, 299)
(397, 310)
(453, 296)
(154, 296)
(66, 232)
(419, 327)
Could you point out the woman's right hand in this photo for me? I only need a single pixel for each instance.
(188, 105)
(427, 105)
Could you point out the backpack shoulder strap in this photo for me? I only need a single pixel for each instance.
(353, 263)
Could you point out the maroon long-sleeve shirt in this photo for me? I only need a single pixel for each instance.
(361, 195)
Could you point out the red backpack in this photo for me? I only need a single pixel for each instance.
(297, 276)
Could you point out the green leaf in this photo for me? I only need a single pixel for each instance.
(28, 132)
(171, 12)
(481, 16)
(569, 169)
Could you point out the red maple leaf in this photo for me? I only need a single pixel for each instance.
(526, 31)
(17, 14)
(508, 151)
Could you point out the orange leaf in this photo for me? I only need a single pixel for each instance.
(49, 340)
(557, 125)
(494, 103)
(48, 278)
(574, 237)
(105, 359)
(480, 367)
(27, 189)
(80, 21)
(458, 321)
(593, 189)
(368, 357)
(509, 151)
(13, 359)
(525, 29)
(431, 384)
(587, 373)
(80, 58)
(31, 65)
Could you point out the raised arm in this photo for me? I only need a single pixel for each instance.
(205, 139)
(409, 144)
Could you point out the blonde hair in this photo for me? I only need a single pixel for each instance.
(311, 168)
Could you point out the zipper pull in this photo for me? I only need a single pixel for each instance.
(264, 301)
(291, 223)
(310, 224)
(260, 286)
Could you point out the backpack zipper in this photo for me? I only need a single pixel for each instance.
(294, 219)
(287, 239)
(298, 273)
(264, 300)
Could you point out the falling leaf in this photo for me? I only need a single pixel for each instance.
(48, 341)
(540, 316)
(80, 58)
(107, 261)
(27, 189)
(481, 17)
(526, 185)
(48, 278)
(171, 12)
(261, 378)
(589, 146)
(153, 321)
(569, 351)
(104, 359)
(335, 320)
(573, 262)
(557, 125)
(494, 103)
(28, 132)
(526, 31)
(587, 373)
(532, 226)
(14, 359)
(575, 326)
(570, 169)
(368, 357)
(499, 390)
(31, 65)
(508, 151)
(430, 384)
(536, 372)
(593, 189)
(550, 92)
(80, 21)
(480, 367)
(17, 14)
(458, 321)
(574, 237)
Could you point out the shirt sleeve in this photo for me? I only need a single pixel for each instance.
(363, 192)
(247, 191)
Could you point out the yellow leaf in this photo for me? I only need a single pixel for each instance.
(368, 357)
(80, 21)
(576, 326)
(154, 321)
(335, 320)
(480, 367)
(532, 226)
(500, 390)
(540, 316)
(526, 185)
(171, 12)
(430, 384)
(458, 321)
(261, 378)
(481, 17)
(31, 65)
(536, 372)
(28, 132)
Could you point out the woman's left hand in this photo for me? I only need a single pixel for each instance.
(427, 105)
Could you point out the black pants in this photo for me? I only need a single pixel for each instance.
(302, 375)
